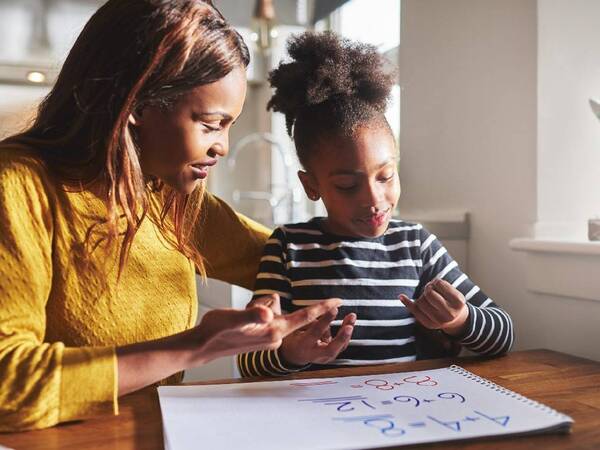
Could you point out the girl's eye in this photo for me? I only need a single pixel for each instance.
(346, 188)
(386, 178)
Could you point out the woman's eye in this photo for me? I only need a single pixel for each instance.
(387, 178)
(211, 127)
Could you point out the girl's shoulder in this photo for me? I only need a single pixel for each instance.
(299, 231)
(399, 224)
(311, 226)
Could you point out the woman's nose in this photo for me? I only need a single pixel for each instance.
(221, 146)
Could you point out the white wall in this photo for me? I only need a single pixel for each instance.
(568, 133)
(469, 142)
(17, 107)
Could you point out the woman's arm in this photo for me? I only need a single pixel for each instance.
(231, 243)
(221, 332)
(41, 383)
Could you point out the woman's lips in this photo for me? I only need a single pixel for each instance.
(200, 171)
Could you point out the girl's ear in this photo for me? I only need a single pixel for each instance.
(309, 184)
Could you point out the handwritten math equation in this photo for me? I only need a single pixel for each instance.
(389, 425)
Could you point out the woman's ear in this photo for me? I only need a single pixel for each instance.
(309, 184)
(135, 117)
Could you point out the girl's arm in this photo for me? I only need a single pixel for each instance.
(485, 327)
(312, 344)
(270, 280)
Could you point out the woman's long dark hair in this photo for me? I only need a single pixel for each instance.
(130, 54)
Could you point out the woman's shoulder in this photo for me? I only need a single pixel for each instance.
(25, 185)
(21, 163)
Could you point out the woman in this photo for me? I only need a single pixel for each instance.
(103, 218)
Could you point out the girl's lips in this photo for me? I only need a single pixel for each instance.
(376, 219)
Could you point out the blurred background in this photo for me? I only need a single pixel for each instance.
(500, 152)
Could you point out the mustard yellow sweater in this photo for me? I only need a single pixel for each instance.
(60, 320)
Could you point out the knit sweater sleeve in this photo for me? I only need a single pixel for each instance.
(41, 383)
(230, 243)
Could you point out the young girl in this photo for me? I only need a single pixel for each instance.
(394, 277)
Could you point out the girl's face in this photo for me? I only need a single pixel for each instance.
(357, 178)
(180, 145)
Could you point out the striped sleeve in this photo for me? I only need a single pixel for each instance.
(490, 329)
(272, 278)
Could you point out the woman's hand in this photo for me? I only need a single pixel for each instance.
(221, 332)
(314, 344)
(260, 326)
(440, 307)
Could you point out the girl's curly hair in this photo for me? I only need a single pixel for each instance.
(331, 85)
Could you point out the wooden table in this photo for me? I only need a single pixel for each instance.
(569, 384)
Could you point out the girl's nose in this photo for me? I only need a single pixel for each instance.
(371, 196)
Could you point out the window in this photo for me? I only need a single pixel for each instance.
(356, 20)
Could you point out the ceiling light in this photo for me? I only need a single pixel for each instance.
(36, 77)
(263, 24)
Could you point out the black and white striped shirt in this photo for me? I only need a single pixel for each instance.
(304, 264)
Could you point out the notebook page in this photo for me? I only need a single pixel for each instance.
(349, 412)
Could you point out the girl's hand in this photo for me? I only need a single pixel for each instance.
(441, 306)
(314, 344)
(225, 332)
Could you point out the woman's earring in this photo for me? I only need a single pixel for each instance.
(314, 197)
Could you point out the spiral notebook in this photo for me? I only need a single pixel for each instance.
(357, 412)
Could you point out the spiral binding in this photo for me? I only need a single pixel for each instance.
(502, 390)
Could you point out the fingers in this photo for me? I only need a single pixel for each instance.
(421, 316)
(321, 327)
(338, 344)
(347, 328)
(228, 331)
(253, 315)
(321, 330)
(350, 319)
(434, 305)
(326, 337)
(293, 321)
(271, 301)
(452, 295)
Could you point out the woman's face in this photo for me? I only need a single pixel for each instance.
(357, 178)
(179, 145)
